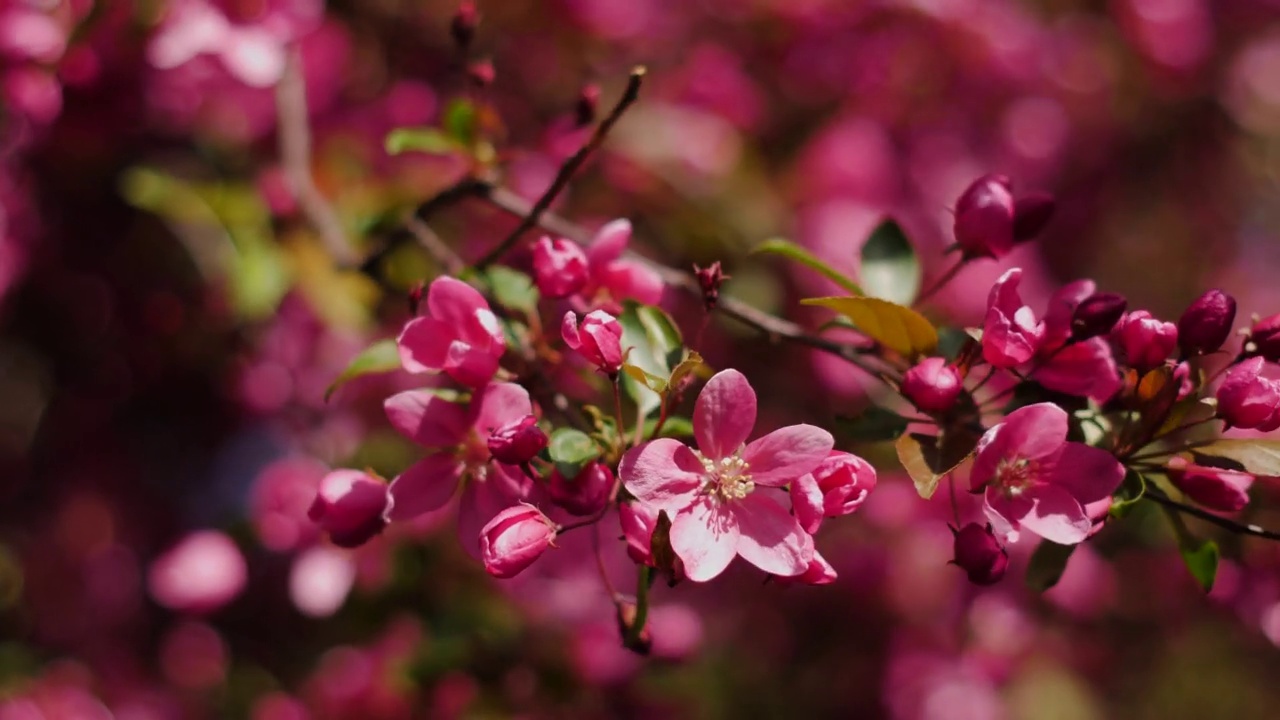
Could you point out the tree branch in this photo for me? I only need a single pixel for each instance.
(1227, 523)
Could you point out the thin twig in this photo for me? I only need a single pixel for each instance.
(295, 154)
(942, 280)
(1227, 523)
(570, 166)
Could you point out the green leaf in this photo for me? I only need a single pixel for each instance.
(648, 379)
(432, 141)
(692, 364)
(1047, 564)
(790, 250)
(676, 426)
(890, 268)
(928, 458)
(1128, 494)
(1260, 457)
(654, 346)
(571, 450)
(1200, 556)
(894, 326)
(513, 289)
(380, 357)
(873, 424)
(461, 120)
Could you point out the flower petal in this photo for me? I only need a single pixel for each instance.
(1057, 516)
(499, 404)
(705, 537)
(424, 345)
(470, 365)
(1036, 431)
(1085, 369)
(631, 281)
(1005, 514)
(787, 453)
(769, 537)
(1087, 473)
(427, 418)
(454, 302)
(608, 244)
(425, 486)
(808, 502)
(724, 414)
(664, 473)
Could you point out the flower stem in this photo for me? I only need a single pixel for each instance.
(642, 606)
(941, 282)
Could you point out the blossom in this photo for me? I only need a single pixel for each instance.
(598, 339)
(460, 337)
(351, 506)
(1097, 315)
(1264, 335)
(1034, 478)
(838, 486)
(1215, 488)
(514, 538)
(1010, 331)
(203, 572)
(1144, 340)
(560, 267)
(518, 441)
(984, 217)
(979, 554)
(584, 494)
(612, 279)
(932, 385)
(1206, 323)
(717, 495)
(1248, 400)
(458, 434)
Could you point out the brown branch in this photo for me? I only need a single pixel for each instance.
(1227, 523)
(295, 154)
(571, 166)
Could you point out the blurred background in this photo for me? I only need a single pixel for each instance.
(169, 324)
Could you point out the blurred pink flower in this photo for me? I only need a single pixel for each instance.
(611, 279)
(320, 580)
(350, 506)
(560, 267)
(203, 572)
(1034, 478)
(711, 493)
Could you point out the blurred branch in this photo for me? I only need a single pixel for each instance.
(1222, 522)
(530, 220)
(295, 154)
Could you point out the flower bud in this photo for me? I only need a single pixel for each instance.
(1248, 400)
(463, 26)
(933, 385)
(710, 279)
(416, 294)
(1214, 488)
(1206, 323)
(351, 506)
(481, 73)
(1097, 315)
(585, 494)
(979, 554)
(598, 339)
(838, 486)
(560, 267)
(638, 521)
(984, 217)
(1030, 214)
(584, 111)
(518, 441)
(1144, 340)
(514, 538)
(1265, 336)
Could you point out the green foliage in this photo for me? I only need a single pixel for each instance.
(791, 251)
(1047, 564)
(380, 357)
(512, 289)
(432, 141)
(890, 268)
(1200, 556)
(571, 450)
(654, 350)
(873, 424)
(1131, 490)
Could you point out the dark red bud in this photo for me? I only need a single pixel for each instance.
(584, 111)
(1097, 315)
(984, 217)
(710, 279)
(518, 441)
(1265, 337)
(1031, 213)
(415, 297)
(585, 494)
(979, 554)
(465, 21)
(1206, 323)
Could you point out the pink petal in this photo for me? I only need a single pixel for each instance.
(705, 537)
(482, 499)
(499, 404)
(664, 473)
(1057, 516)
(1087, 473)
(427, 418)
(254, 56)
(808, 502)
(1005, 514)
(1057, 318)
(631, 281)
(724, 414)
(1085, 369)
(787, 453)
(1034, 432)
(427, 485)
(769, 537)
(609, 243)
(424, 345)
(454, 302)
(470, 365)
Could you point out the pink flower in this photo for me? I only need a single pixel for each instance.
(932, 385)
(459, 435)
(1248, 400)
(979, 554)
(1034, 478)
(1064, 363)
(638, 521)
(514, 538)
(717, 495)
(200, 574)
(838, 486)
(518, 441)
(351, 506)
(984, 217)
(559, 266)
(1010, 332)
(1214, 488)
(1265, 337)
(1144, 340)
(612, 279)
(598, 339)
(460, 337)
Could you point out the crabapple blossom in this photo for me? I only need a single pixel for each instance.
(1144, 340)
(585, 494)
(718, 495)
(1010, 332)
(1214, 488)
(460, 337)
(351, 506)
(984, 217)
(933, 385)
(518, 441)
(838, 486)
(1206, 323)
(598, 339)
(1265, 337)
(979, 554)
(560, 267)
(612, 279)
(1033, 478)
(1247, 399)
(514, 538)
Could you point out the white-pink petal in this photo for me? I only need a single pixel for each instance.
(664, 473)
(724, 414)
(769, 538)
(705, 537)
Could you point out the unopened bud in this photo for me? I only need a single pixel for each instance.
(1206, 323)
(463, 26)
(1265, 337)
(1097, 315)
(710, 279)
(932, 385)
(584, 111)
(984, 217)
(979, 554)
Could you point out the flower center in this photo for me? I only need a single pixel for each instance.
(1015, 475)
(727, 478)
